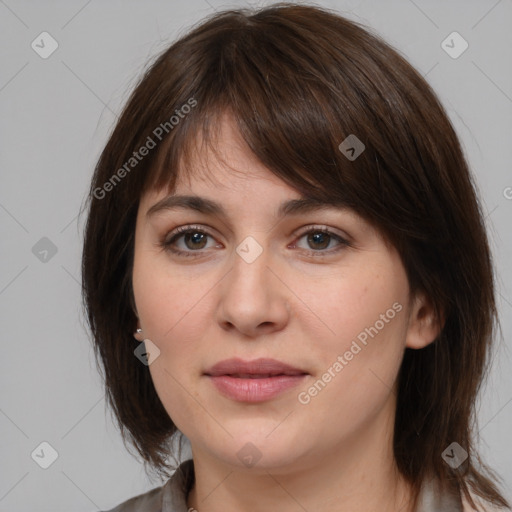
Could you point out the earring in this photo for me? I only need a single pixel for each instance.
(138, 331)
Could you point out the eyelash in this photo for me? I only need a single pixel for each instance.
(167, 242)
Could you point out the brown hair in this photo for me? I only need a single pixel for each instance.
(299, 80)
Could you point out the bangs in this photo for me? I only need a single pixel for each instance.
(290, 116)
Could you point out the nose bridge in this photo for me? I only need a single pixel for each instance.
(251, 295)
(250, 273)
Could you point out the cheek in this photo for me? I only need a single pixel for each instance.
(356, 381)
(162, 298)
(363, 323)
(363, 303)
(168, 308)
(174, 314)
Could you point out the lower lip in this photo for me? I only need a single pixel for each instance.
(255, 390)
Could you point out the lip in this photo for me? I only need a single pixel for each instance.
(254, 381)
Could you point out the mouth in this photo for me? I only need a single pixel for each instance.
(259, 375)
(257, 368)
(258, 380)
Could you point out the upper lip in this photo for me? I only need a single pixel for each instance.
(262, 366)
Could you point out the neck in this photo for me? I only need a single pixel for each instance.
(358, 474)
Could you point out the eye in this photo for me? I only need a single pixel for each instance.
(195, 239)
(320, 238)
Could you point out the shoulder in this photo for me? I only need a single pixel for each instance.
(483, 506)
(170, 497)
(435, 496)
(150, 501)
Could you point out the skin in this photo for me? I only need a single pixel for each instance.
(290, 305)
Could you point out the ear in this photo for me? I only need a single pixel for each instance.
(423, 326)
(139, 336)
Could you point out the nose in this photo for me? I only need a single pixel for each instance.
(253, 298)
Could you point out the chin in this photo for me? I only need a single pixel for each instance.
(259, 449)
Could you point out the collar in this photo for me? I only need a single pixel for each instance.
(432, 497)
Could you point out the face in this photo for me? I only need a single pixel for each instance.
(332, 304)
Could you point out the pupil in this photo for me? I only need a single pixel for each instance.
(317, 238)
(196, 237)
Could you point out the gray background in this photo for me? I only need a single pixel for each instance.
(55, 115)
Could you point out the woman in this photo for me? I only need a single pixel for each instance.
(284, 220)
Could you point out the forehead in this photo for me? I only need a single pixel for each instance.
(224, 166)
(240, 195)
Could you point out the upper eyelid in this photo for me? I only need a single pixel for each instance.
(294, 217)
(299, 232)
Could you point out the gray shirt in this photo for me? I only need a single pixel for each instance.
(172, 496)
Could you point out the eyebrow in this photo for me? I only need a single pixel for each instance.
(211, 207)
